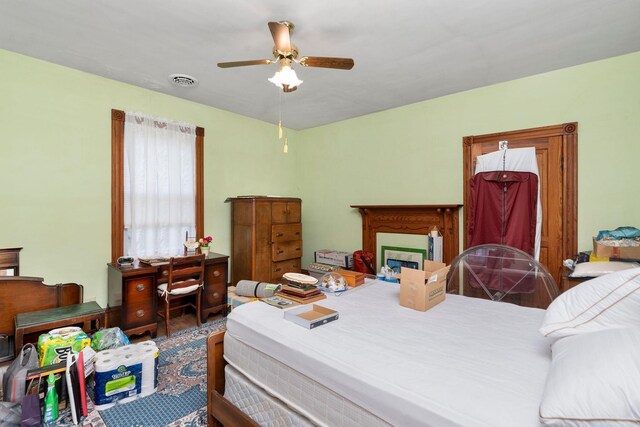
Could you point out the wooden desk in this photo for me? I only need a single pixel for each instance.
(132, 292)
(90, 315)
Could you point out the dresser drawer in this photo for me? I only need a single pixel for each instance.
(286, 232)
(288, 266)
(139, 290)
(286, 250)
(139, 314)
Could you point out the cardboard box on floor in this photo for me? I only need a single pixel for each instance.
(421, 290)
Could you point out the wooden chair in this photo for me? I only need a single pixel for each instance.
(185, 278)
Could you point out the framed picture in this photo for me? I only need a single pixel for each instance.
(397, 264)
(396, 257)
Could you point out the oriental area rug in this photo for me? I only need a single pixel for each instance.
(181, 399)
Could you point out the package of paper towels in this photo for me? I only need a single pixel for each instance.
(125, 373)
(253, 289)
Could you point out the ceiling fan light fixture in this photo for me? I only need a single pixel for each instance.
(285, 76)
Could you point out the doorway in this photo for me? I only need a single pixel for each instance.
(557, 157)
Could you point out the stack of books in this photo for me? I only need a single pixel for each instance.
(303, 294)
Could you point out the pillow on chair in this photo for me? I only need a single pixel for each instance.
(162, 288)
(606, 302)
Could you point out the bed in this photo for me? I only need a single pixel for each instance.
(465, 362)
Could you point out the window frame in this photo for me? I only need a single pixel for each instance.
(117, 183)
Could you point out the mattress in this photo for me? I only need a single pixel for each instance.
(281, 393)
(466, 362)
(259, 405)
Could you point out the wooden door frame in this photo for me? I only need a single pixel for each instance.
(569, 134)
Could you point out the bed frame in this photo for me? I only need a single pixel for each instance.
(40, 297)
(221, 412)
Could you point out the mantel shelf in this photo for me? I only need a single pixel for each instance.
(411, 219)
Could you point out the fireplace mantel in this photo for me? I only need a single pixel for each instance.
(410, 219)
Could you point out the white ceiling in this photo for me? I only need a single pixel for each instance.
(405, 51)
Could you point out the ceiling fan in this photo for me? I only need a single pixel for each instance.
(286, 53)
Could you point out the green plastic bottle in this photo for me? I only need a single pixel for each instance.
(51, 401)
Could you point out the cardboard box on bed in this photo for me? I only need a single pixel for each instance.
(604, 251)
(421, 290)
(311, 318)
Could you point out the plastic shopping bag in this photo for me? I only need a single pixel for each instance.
(13, 382)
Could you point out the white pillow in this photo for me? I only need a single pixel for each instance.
(597, 269)
(594, 380)
(611, 301)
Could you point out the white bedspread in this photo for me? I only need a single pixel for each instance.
(466, 362)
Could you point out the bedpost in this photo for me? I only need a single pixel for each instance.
(219, 410)
(215, 371)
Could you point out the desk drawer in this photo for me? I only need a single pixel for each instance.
(139, 290)
(139, 314)
(286, 250)
(286, 232)
(216, 275)
(288, 266)
(214, 294)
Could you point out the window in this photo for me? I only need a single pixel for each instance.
(157, 184)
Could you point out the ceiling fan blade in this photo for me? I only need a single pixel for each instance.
(245, 63)
(325, 62)
(281, 36)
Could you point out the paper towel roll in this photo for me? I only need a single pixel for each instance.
(103, 354)
(105, 406)
(131, 357)
(102, 367)
(251, 288)
(127, 349)
(149, 371)
(147, 344)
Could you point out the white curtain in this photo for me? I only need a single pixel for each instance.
(159, 185)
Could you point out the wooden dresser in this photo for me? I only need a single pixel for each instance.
(266, 237)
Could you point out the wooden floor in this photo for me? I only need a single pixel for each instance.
(178, 323)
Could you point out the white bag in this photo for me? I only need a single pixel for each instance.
(13, 382)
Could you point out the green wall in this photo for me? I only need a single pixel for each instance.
(55, 158)
(413, 154)
(55, 140)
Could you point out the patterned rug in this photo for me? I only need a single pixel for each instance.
(181, 399)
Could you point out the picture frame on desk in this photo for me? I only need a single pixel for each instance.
(403, 257)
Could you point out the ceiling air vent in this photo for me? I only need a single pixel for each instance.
(183, 80)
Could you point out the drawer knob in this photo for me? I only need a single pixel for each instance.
(216, 295)
(298, 249)
(277, 269)
(297, 233)
(216, 273)
(140, 313)
(139, 287)
(279, 234)
(280, 251)
(165, 273)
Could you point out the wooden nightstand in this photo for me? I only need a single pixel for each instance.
(567, 282)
